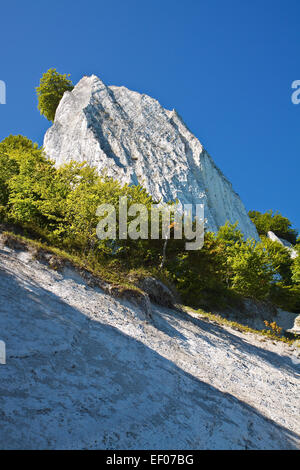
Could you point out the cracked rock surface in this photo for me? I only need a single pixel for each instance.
(87, 371)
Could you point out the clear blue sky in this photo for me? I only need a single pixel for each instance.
(226, 66)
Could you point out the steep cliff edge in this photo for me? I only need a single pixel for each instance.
(134, 139)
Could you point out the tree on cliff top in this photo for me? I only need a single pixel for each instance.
(50, 92)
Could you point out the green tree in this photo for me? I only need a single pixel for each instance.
(281, 260)
(88, 192)
(281, 226)
(198, 275)
(8, 168)
(247, 268)
(252, 271)
(27, 179)
(296, 266)
(59, 205)
(50, 92)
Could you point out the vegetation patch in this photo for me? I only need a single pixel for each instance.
(271, 333)
(56, 208)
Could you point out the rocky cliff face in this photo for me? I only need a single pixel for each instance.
(135, 140)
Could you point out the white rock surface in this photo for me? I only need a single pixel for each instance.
(135, 140)
(283, 242)
(86, 371)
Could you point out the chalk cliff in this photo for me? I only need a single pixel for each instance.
(135, 140)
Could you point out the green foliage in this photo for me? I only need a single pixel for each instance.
(50, 92)
(28, 179)
(252, 272)
(225, 267)
(8, 168)
(229, 235)
(296, 266)
(275, 222)
(281, 260)
(59, 206)
(247, 269)
(89, 190)
(239, 327)
(198, 275)
(285, 288)
(274, 329)
(286, 297)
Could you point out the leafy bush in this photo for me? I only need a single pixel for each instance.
(295, 268)
(60, 204)
(275, 222)
(252, 271)
(274, 329)
(226, 266)
(198, 275)
(286, 297)
(50, 91)
(59, 207)
(280, 259)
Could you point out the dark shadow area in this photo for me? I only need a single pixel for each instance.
(95, 124)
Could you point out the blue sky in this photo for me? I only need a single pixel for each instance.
(226, 66)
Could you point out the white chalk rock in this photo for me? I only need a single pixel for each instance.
(135, 140)
(284, 243)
